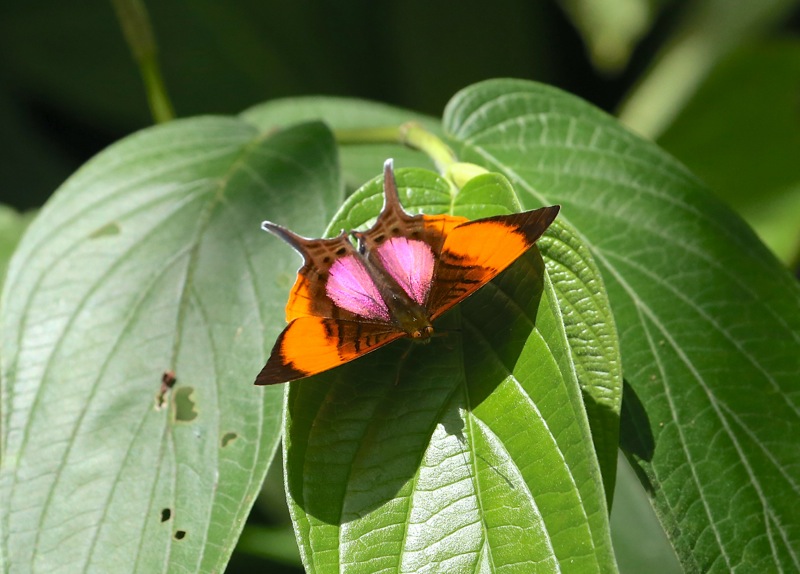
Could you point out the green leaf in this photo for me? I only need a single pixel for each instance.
(592, 337)
(358, 160)
(470, 453)
(737, 132)
(708, 322)
(150, 258)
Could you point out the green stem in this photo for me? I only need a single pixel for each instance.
(135, 23)
(664, 91)
(417, 137)
(410, 134)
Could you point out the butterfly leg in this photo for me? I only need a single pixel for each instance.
(402, 360)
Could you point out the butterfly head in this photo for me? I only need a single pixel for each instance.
(421, 334)
(413, 320)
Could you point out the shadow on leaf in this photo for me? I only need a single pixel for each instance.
(359, 436)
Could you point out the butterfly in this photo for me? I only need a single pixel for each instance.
(395, 281)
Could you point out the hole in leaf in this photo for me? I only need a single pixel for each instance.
(112, 228)
(184, 405)
(228, 437)
(166, 513)
(180, 534)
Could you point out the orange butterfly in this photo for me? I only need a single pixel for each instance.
(404, 272)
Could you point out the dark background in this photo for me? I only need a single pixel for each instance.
(69, 86)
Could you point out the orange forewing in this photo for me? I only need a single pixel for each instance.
(312, 345)
(468, 254)
(475, 252)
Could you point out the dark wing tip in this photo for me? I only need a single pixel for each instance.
(391, 197)
(532, 224)
(277, 372)
(552, 210)
(549, 214)
(278, 369)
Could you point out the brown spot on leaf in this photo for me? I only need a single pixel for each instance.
(168, 381)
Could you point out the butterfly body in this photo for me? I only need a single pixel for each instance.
(404, 272)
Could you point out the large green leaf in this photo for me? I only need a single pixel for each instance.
(708, 321)
(359, 160)
(149, 259)
(472, 452)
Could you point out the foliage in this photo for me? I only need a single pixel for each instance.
(492, 448)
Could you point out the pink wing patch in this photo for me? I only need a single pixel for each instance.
(410, 262)
(350, 287)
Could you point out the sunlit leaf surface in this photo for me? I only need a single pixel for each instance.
(708, 321)
(150, 259)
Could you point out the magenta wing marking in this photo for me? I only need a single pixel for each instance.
(410, 262)
(350, 287)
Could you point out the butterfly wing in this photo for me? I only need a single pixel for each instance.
(406, 246)
(344, 302)
(475, 252)
(308, 296)
(311, 345)
(466, 254)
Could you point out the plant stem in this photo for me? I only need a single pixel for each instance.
(415, 136)
(135, 23)
(410, 134)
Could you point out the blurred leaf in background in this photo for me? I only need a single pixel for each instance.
(612, 29)
(741, 134)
